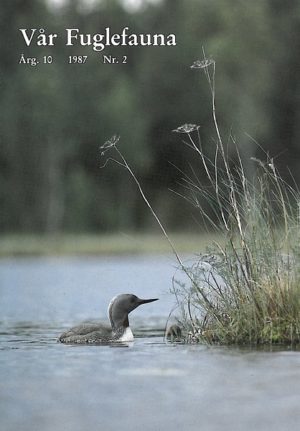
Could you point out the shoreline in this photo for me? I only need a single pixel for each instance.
(27, 245)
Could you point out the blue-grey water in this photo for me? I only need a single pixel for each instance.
(149, 385)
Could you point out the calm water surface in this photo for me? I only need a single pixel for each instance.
(148, 385)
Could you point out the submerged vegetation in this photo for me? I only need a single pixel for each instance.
(246, 288)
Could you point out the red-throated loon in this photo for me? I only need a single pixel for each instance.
(119, 308)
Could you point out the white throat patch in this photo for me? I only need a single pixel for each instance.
(127, 336)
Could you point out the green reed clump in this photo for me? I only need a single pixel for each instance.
(247, 290)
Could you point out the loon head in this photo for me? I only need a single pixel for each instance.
(120, 306)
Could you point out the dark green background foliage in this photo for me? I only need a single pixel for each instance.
(55, 117)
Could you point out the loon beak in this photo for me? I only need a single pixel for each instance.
(145, 301)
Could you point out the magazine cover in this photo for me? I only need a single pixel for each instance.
(150, 215)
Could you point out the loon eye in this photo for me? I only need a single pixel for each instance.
(133, 300)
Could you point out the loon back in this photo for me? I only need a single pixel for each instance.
(92, 333)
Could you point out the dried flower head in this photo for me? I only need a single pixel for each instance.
(186, 128)
(202, 64)
(109, 144)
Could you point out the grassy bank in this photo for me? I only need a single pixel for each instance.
(109, 244)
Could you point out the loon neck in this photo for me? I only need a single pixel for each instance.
(119, 326)
(117, 319)
(123, 334)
